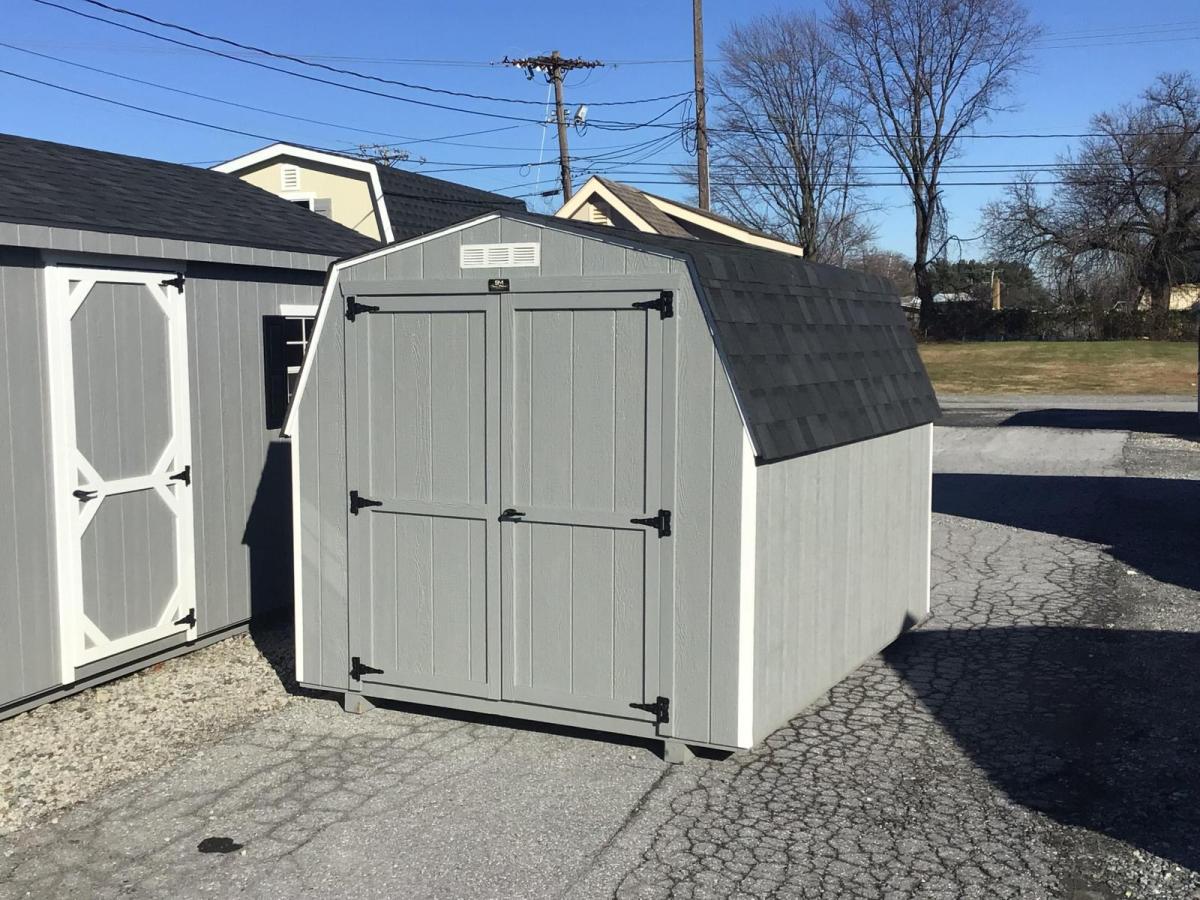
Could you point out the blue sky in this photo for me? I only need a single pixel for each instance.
(1096, 54)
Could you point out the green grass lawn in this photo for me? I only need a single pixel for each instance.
(1062, 367)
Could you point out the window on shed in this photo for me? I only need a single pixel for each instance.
(285, 341)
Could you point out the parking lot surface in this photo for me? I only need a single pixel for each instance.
(1036, 737)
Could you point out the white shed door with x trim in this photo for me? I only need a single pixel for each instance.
(122, 461)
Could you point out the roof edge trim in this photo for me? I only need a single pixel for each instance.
(331, 279)
(676, 210)
(595, 187)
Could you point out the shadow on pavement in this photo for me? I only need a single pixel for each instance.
(1150, 421)
(1151, 524)
(1095, 728)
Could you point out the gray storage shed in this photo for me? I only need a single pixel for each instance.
(144, 505)
(621, 481)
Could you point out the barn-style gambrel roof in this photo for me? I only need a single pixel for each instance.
(817, 356)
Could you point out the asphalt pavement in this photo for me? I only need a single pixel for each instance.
(1036, 737)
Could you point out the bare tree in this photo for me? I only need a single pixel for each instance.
(895, 267)
(1129, 202)
(784, 161)
(926, 72)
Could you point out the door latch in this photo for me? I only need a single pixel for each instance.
(662, 522)
(511, 515)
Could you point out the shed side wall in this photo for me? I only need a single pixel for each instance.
(29, 659)
(842, 565)
(702, 679)
(242, 474)
(320, 474)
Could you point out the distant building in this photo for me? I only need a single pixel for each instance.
(603, 202)
(378, 201)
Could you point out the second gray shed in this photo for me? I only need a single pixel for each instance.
(627, 482)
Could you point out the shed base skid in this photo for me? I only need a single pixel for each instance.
(528, 712)
(676, 753)
(356, 703)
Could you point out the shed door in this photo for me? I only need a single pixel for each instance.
(122, 461)
(581, 428)
(423, 442)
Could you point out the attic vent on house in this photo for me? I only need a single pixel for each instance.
(598, 214)
(289, 178)
(495, 256)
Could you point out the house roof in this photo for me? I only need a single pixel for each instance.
(410, 204)
(60, 185)
(817, 356)
(672, 218)
(418, 204)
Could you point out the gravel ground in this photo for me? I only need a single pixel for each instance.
(1036, 737)
(72, 750)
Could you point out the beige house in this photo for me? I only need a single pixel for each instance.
(380, 202)
(604, 202)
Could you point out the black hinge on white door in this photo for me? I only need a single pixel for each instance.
(176, 282)
(660, 709)
(661, 522)
(664, 303)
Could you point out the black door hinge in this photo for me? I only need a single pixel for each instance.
(184, 475)
(660, 709)
(84, 494)
(189, 620)
(358, 502)
(662, 522)
(176, 282)
(353, 308)
(358, 669)
(665, 304)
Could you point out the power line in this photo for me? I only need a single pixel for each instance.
(246, 106)
(300, 60)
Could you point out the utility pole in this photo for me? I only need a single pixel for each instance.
(701, 123)
(555, 67)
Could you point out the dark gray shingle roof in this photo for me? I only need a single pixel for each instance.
(418, 204)
(44, 183)
(640, 204)
(817, 356)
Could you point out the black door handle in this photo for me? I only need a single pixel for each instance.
(83, 495)
(511, 515)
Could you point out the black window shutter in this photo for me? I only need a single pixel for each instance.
(275, 369)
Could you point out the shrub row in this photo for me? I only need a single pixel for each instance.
(979, 322)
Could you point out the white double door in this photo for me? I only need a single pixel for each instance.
(121, 442)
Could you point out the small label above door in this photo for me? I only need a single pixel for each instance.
(498, 285)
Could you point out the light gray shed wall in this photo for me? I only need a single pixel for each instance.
(241, 478)
(28, 615)
(702, 683)
(842, 565)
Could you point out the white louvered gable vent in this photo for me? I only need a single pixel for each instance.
(598, 215)
(499, 256)
(289, 178)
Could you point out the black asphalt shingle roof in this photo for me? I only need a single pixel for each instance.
(418, 204)
(59, 185)
(817, 356)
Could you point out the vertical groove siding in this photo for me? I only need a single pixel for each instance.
(28, 613)
(841, 565)
(241, 473)
(708, 447)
